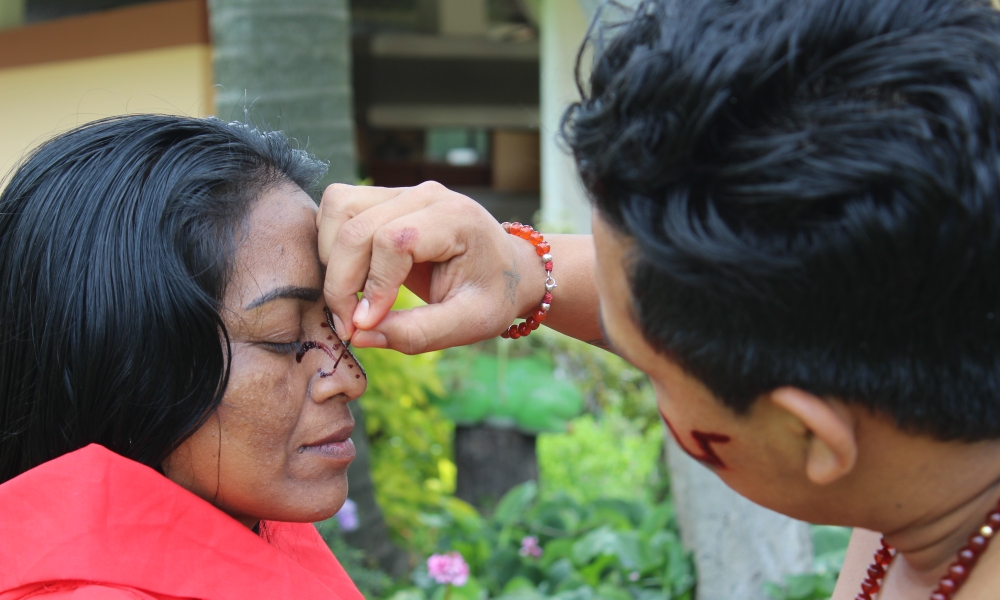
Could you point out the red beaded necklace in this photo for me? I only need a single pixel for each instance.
(957, 574)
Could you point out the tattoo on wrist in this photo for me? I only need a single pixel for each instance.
(513, 280)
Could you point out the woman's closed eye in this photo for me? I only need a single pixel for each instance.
(283, 348)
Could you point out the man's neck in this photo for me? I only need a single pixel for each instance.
(932, 524)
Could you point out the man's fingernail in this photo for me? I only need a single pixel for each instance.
(369, 339)
(361, 312)
(339, 326)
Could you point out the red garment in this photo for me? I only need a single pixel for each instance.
(93, 525)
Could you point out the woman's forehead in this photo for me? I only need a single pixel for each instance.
(279, 249)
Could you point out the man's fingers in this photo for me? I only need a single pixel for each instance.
(342, 202)
(425, 236)
(458, 320)
(348, 250)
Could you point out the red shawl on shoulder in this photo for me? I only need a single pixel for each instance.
(93, 525)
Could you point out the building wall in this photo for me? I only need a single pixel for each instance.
(150, 58)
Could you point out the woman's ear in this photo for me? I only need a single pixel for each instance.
(829, 429)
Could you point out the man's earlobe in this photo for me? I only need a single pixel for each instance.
(832, 449)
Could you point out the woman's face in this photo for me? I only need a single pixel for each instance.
(278, 446)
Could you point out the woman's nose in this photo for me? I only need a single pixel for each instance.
(336, 372)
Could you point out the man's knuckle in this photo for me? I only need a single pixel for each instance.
(416, 339)
(339, 200)
(430, 191)
(431, 187)
(355, 233)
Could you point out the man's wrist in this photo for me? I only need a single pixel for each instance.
(528, 271)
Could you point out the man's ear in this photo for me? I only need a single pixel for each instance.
(829, 429)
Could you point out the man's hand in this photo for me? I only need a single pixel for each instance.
(443, 246)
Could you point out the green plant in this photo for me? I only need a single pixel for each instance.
(411, 463)
(609, 456)
(609, 384)
(829, 547)
(371, 582)
(557, 547)
(505, 384)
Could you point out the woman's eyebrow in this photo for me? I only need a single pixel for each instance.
(290, 292)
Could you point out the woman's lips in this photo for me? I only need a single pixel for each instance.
(337, 446)
(339, 451)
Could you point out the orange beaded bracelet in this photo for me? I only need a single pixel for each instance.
(542, 249)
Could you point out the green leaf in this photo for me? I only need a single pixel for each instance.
(829, 547)
(537, 401)
(525, 395)
(515, 502)
(523, 594)
(557, 550)
(627, 550)
(634, 512)
(560, 571)
(410, 594)
(775, 591)
(477, 397)
(611, 592)
(679, 575)
(472, 590)
(584, 592)
(599, 541)
(657, 550)
(518, 584)
(657, 520)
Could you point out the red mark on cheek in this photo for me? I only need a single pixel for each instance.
(404, 240)
(704, 440)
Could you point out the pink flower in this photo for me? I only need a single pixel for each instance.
(530, 547)
(448, 568)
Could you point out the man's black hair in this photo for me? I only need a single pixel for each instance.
(811, 193)
(117, 242)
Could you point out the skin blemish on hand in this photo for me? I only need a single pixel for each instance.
(405, 239)
(704, 440)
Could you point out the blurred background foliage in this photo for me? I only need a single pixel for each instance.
(605, 548)
(601, 510)
(829, 548)
(412, 465)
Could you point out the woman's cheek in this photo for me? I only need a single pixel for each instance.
(260, 401)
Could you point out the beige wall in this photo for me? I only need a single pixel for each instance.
(40, 100)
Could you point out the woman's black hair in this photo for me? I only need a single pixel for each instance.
(810, 190)
(117, 241)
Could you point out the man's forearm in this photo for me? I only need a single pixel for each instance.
(574, 301)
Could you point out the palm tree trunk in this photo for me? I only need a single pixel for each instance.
(287, 66)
